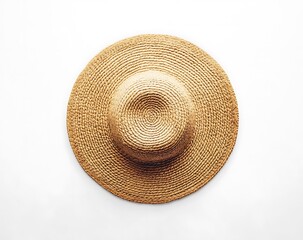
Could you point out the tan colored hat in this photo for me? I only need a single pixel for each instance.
(152, 118)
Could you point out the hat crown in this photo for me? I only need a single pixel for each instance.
(151, 117)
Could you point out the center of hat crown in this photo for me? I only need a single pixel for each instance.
(151, 117)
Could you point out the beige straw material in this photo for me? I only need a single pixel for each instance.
(152, 118)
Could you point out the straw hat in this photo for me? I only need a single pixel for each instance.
(152, 118)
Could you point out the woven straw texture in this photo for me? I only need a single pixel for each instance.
(152, 118)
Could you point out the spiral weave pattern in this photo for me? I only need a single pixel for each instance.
(152, 118)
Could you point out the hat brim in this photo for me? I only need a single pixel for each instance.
(216, 123)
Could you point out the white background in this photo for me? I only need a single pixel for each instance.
(45, 194)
